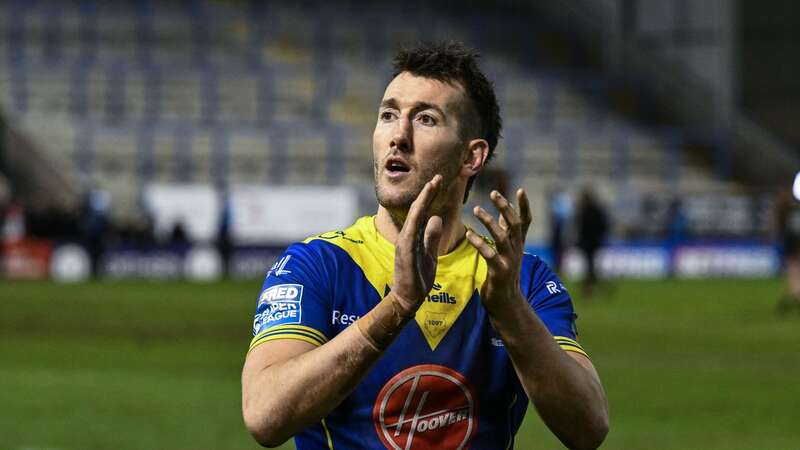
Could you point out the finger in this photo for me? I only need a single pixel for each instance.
(524, 209)
(506, 210)
(412, 225)
(433, 235)
(427, 250)
(503, 223)
(486, 250)
(417, 246)
(488, 221)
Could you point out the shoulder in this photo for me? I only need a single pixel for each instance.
(356, 233)
(316, 244)
(359, 242)
(540, 281)
(314, 253)
(328, 249)
(534, 266)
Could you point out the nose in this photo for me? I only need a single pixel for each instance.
(402, 137)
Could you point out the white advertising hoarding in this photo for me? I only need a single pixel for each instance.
(620, 261)
(195, 206)
(757, 261)
(284, 214)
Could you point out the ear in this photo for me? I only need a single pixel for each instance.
(474, 157)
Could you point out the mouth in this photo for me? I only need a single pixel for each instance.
(396, 167)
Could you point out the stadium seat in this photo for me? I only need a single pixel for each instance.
(202, 156)
(239, 97)
(115, 153)
(250, 157)
(307, 157)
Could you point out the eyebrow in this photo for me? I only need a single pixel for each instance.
(418, 106)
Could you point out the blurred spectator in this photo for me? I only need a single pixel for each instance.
(5, 198)
(675, 228)
(592, 230)
(787, 223)
(13, 223)
(224, 242)
(560, 215)
(651, 221)
(676, 222)
(179, 238)
(94, 225)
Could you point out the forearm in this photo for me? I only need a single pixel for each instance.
(568, 396)
(285, 397)
(282, 398)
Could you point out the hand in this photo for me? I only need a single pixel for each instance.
(505, 259)
(417, 250)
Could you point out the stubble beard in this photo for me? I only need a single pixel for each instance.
(398, 206)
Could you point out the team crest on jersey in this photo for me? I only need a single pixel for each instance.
(426, 407)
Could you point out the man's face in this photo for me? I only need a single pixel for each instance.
(416, 137)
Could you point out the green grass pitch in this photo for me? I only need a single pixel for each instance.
(136, 365)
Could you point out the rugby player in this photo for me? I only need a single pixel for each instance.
(409, 330)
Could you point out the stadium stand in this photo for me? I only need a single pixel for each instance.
(118, 96)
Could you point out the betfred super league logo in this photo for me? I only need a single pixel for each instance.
(426, 407)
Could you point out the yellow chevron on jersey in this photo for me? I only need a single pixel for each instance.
(459, 274)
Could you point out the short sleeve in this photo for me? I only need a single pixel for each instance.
(294, 302)
(550, 300)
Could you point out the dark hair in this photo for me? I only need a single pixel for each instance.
(453, 61)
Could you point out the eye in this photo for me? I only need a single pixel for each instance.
(426, 119)
(386, 115)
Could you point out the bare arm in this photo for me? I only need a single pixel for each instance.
(288, 384)
(563, 386)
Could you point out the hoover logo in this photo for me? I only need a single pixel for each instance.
(426, 407)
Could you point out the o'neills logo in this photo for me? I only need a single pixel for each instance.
(426, 407)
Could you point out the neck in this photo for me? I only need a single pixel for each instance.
(453, 229)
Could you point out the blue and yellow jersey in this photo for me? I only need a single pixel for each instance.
(446, 382)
